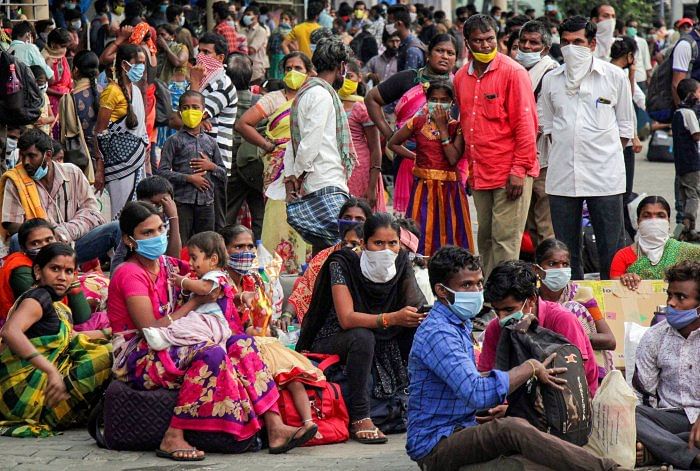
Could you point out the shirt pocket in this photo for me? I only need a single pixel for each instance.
(600, 112)
(493, 107)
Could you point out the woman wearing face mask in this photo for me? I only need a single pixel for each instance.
(622, 55)
(55, 55)
(274, 110)
(407, 88)
(366, 179)
(365, 310)
(553, 260)
(653, 250)
(50, 377)
(511, 289)
(438, 193)
(121, 129)
(274, 45)
(141, 296)
(16, 276)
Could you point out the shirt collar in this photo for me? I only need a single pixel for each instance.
(492, 66)
(445, 312)
(59, 174)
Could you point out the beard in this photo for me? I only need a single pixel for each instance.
(337, 83)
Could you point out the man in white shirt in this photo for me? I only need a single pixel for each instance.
(533, 53)
(642, 59)
(320, 157)
(586, 112)
(683, 55)
(603, 16)
(665, 375)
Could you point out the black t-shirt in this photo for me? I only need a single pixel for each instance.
(49, 324)
(397, 85)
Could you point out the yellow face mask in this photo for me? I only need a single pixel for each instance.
(294, 79)
(484, 58)
(349, 88)
(191, 118)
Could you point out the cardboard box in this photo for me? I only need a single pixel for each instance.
(620, 305)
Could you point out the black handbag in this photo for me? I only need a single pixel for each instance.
(133, 420)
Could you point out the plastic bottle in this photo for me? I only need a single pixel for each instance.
(264, 258)
(292, 336)
(13, 84)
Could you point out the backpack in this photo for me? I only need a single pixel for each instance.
(164, 103)
(327, 407)
(565, 414)
(23, 107)
(659, 100)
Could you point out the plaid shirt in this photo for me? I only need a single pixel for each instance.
(178, 151)
(445, 389)
(229, 34)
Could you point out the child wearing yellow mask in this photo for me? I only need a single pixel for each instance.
(191, 161)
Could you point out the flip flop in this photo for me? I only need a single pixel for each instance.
(368, 441)
(295, 442)
(171, 455)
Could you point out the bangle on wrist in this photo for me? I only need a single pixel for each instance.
(445, 141)
(170, 318)
(171, 218)
(287, 314)
(379, 321)
(182, 283)
(31, 356)
(534, 370)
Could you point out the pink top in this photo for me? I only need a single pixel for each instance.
(132, 279)
(429, 151)
(358, 120)
(555, 317)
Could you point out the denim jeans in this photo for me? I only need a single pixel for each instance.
(607, 220)
(665, 434)
(94, 244)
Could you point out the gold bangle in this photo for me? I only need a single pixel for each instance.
(534, 370)
(379, 321)
(170, 318)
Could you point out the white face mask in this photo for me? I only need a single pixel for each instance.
(528, 59)
(652, 236)
(578, 61)
(414, 16)
(604, 38)
(605, 29)
(182, 21)
(555, 39)
(378, 266)
(390, 28)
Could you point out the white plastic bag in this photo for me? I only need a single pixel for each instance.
(614, 432)
(633, 334)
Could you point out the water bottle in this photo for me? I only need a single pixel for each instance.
(264, 259)
(292, 336)
(13, 84)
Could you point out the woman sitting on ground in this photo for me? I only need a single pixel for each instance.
(354, 211)
(49, 375)
(365, 310)
(654, 250)
(17, 274)
(554, 258)
(140, 296)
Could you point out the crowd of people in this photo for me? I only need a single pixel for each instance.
(174, 177)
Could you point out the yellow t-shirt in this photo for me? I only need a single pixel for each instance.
(301, 34)
(113, 99)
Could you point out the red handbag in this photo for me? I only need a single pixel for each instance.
(327, 407)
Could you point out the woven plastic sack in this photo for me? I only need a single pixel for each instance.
(614, 432)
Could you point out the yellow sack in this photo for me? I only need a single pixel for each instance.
(614, 432)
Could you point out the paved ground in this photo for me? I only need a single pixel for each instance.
(75, 450)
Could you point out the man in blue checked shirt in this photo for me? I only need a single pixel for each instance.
(446, 390)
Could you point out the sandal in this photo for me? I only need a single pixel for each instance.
(295, 442)
(171, 455)
(377, 440)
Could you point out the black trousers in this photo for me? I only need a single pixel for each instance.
(194, 219)
(240, 189)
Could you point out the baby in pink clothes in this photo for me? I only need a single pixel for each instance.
(208, 323)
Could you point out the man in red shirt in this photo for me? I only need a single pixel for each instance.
(498, 116)
(224, 26)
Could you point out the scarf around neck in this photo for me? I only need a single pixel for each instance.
(212, 68)
(342, 128)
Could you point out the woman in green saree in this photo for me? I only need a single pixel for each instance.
(49, 375)
(653, 250)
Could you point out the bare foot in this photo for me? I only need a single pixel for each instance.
(282, 433)
(174, 439)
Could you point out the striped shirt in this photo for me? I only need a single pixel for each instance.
(220, 102)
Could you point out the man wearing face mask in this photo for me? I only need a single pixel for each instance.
(412, 52)
(446, 390)
(603, 16)
(60, 193)
(586, 154)
(665, 378)
(175, 16)
(257, 43)
(533, 54)
(320, 160)
(23, 49)
(498, 116)
(511, 289)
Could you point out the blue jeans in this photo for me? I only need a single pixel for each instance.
(608, 225)
(94, 244)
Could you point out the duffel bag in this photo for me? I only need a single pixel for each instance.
(127, 419)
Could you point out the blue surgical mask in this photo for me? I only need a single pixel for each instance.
(247, 20)
(528, 59)
(152, 248)
(514, 316)
(40, 172)
(135, 73)
(467, 304)
(557, 278)
(679, 319)
(163, 7)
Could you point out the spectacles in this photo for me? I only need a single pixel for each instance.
(244, 247)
